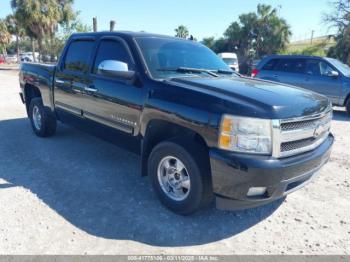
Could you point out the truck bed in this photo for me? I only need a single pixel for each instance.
(39, 75)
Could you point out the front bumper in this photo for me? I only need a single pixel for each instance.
(233, 174)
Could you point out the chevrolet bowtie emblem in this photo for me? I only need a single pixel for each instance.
(318, 131)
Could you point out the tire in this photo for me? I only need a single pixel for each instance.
(196, 170)
(347, 106)
(44, 125)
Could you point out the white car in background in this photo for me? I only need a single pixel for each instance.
(11, 59)
(28, 57)
(231, 60)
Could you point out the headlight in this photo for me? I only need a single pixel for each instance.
(246, 135)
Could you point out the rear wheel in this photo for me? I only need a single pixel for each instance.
(179, 177)
(42, 119)
(347, 105)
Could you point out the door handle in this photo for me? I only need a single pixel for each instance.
(90, 89)
(59, 81)
(275, 76)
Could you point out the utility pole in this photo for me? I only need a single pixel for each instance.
(94, 21)
(312, 36)
(112, 25)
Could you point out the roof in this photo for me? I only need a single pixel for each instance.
(294, 56)
(122, 33)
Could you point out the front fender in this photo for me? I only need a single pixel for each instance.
(201, 122)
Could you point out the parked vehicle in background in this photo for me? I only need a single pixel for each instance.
(323, 75)
(28, 57)
(11, 59)
(231, 60)
(2, 59)
(200, 129)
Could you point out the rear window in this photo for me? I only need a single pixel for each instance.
(78, 56)
(270, 65)
(291, 66)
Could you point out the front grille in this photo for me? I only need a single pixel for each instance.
(295, 136)
(289, 146)
(302, 124)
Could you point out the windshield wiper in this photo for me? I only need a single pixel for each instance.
(189, 70)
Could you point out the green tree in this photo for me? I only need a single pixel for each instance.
(260, 33)
(5, 37)
(182, 31)
(339, 18)
(75, 26)
(209, 42)
(273, 32)
(40, 18)
(15, 29)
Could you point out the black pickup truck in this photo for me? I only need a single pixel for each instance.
(201, 130)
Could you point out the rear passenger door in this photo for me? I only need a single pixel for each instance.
(290, 71)
(267, 70)
(71, 77)
(111, 101)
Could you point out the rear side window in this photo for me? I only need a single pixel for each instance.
(112, 50)
(78, 56)
(270, 65)
(291, 66)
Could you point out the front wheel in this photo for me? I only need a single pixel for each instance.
(180, 179)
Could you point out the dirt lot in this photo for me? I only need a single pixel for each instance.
(76, 194)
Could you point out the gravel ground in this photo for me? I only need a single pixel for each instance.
(76, 194)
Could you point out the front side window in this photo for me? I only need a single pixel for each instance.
(163, 54)
(78, 56)
(319, 68)
(112, 50)
(343, 68)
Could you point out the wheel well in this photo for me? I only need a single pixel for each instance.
(30, 92)
(158, 131)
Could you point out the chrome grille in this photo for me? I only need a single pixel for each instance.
(301, 124)
(295, 136)
(289, 146)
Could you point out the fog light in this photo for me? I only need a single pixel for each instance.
(256, 191)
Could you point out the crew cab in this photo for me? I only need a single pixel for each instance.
(202, 131)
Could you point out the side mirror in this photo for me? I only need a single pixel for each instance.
(114, 68)
(333, 73)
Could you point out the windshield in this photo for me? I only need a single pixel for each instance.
(230, 61)
(343, 68)
(161, 54)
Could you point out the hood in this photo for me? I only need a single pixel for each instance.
(250, 97)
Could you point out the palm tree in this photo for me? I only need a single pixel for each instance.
(5, 37)
(40, 18)
(182, 31)
(15, 29)
(272, 32)
(209, 42)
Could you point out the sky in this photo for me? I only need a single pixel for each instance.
(203, 18)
